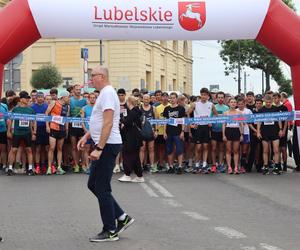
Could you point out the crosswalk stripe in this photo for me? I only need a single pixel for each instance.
(149, 190)
(161, 189)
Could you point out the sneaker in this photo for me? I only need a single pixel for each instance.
(213, 169)
(53, 169)
(229, 171)
(125, 178)
(105, 236)
(284, 169)
(221, 169)
(265, 170)
(117, 169)
(160, 168)
(242, 170)
(196, 170)
(60, 171)
(10, 172)
(276, 170)
(188, 170)
(1, 239)
(179, 171)
(171, 170)
(206, 169)
(76, 169)
(153, 169)
(37, 170)
(138, 180)
(124, 224)
(30, 172)
(49, 172)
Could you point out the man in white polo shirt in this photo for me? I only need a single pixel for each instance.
(104, 131)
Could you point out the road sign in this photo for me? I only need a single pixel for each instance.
(85, 53)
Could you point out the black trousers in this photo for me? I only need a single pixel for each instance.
(101, 172)
(132, 162)
(254, 143)
(296, 151)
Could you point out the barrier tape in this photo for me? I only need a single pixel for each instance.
(253, 118)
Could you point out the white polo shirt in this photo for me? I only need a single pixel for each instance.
(107, 100)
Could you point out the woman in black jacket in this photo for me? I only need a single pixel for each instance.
(132, 142)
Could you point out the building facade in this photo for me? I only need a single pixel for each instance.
(165, 65)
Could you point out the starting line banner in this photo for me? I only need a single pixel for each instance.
(254, 118)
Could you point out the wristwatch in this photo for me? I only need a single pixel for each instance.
(99, 149)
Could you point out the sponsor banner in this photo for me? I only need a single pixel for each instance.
(254, 118)
(150, 19)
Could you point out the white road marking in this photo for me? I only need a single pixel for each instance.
(268, 247)
(195, 216)
(248, 248)
(149, 190)
(161, 189)
(172, 203)
(230, 233)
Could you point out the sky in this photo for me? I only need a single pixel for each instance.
(208, 69)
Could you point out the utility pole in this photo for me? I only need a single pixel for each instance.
(239, 68)
(101, 53)
(245, 82)
(262, 82)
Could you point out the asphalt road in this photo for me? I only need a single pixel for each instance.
(187, 212)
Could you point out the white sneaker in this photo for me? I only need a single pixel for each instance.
(138, 180)
(125, 178)
(117, 169)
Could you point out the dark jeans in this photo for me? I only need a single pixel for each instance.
(132, 162)
(99, 183)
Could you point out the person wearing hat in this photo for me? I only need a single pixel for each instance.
(42, 139)
(57, 130)
(21, 131)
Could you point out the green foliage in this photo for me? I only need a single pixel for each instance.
(46, 77)
(255, 56)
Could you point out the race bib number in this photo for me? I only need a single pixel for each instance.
(76, 125)
(58, 119)
(23, 124)
(124, 112)
(269, 123)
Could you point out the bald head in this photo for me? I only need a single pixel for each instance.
(100, 77)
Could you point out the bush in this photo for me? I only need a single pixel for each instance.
(46, 77)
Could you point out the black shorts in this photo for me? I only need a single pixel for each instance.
(269, 134)
(160, 140)
(233, 134)
(42, 137)
(58, 135)
(201, 135)
(217, 136)
(3, 138)
(76, 132)
(21, 140)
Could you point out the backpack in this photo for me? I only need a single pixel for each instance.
(146, 129)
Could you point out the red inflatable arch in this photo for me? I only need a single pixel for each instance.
(270, 22)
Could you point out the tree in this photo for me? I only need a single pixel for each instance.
(255, 56)
(46, 77)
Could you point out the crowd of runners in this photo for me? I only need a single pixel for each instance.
(38, 148)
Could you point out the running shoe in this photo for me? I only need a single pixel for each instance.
(60, 171)
(37, 170)
(124, 224)
(49, 172)
(236, 171)
(138, 180)
(276, 170)
(188, 170)
(196, 170)
(171, 170)
(30, 172)
(125, 178)
(153, 169)
(53, 169)
(213, 169)
(221, 169)
(160, 168)
(105, 236)
(205, 169)
(242, 170)
(265, 170)
(10, 172)
(117, 169)
(76, 169)
(229, 171)
(179, 171)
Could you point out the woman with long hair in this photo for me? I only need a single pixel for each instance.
(232, 136)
